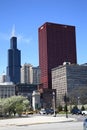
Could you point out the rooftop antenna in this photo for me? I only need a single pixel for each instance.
(13, 31)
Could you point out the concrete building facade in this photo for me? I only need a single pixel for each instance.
(26, 90)
(4, 78)
(7, 90)
(30, 74)
(67, 77)
(26, 73)
(36, 75)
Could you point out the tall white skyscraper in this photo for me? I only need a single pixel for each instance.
(27, 73)
(4, 78)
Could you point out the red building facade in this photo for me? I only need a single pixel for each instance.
(57, 44)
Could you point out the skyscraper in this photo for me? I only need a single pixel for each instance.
(57, 44)
(27, 73)
(36, 75)
(14, 61)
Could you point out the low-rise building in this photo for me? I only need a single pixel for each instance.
(7, 89)
(67, 77)
(26, 90)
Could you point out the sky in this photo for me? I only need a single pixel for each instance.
(26, 16)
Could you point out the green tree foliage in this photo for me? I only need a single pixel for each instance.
(82, 108)
(59, 108)
(13, 105)
(19, 109)
(65, 108)
(75, 107)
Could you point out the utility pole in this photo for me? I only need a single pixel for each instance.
(66, 100)
(54, 103)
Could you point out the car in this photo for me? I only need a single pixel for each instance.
(27, 112)
(84, 112)
(1, 115)
(24, 112)
(42, 111)
(85, 124)
(76, 111)
(49, 111)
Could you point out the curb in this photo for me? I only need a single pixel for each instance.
(34, 121)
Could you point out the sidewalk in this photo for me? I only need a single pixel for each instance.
(31, 120)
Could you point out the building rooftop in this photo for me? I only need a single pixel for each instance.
(7, 83)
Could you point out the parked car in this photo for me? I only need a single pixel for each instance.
(84, 112)
(27, 112)
(85, 124)
(42, 111)
(76, 111)
(49, 111)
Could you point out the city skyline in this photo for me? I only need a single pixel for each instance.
(29, 15)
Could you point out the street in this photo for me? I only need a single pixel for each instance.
(70, 125)
(80, 117)
(52, 126)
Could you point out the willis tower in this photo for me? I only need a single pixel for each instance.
(14, 61)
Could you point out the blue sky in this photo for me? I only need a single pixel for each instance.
(29, 15)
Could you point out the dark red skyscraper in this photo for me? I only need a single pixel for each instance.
(57, 44)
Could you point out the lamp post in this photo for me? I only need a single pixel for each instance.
(66, 99)
(54, 103)
(78, 102)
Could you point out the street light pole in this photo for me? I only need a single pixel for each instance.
(54, 103)
(66, 99)
(78, 102)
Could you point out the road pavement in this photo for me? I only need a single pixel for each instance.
(30, 120)
(75, 125)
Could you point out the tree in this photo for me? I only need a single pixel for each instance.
(82, 108)
(19, 109)
(65, 108)
(26, 105)
(20, 104)
(13, 105)
(59, 108)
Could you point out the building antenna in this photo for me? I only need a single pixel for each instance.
(13, 31)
